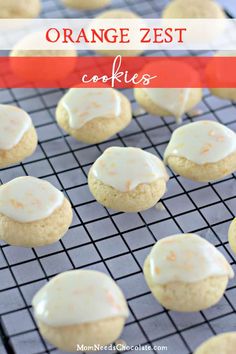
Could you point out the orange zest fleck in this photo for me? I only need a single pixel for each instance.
(128, 184)
(171, 256)
(16, 204)
(206, 148)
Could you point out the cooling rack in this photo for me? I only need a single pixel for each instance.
(108, 241)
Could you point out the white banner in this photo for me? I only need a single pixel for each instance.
(114, 34)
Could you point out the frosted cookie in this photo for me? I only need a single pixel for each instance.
(214, 71)
(18, 138)
(117, 14)
(168, 101)
(232, 235)
(202, 151)
(193, 9)
(224, 343)
(80, 307)
(127, 179)
(186, 273)
(20, 9)
(92, 115)
(50, 70)
(85, 4)
(32, 212)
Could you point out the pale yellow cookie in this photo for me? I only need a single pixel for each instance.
(193, 9)
(96, 114)
(19, 9)
(202, 151)
(147, 102)
(80, 310)
(32, 213)
(18, 137)
(224, 343)
(117, 14)
(49, 70)
(180, 273)
(232, 235)
(86, 4)
(127, 179)
(224, 93)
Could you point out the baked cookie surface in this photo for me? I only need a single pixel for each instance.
(224, 343)
(20, 9)
(85, 4)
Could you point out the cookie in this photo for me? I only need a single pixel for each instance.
(224, 343)
(193, 9)
(202, 151)
(93, 115)
(117, 14)
(20, 9)
(80, 308)
(168, 101)
(127, 179)
(40, 70)
(186, 273)
(213, 71)
(18, 138)
(232, 235)
(32, 212)
(86, 5)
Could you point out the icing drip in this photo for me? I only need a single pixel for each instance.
(14, 123)
(79, 296)
(173, 100)
(28, 199)
(202, 142)
(126, 168)
(84, 105)
(187, 258)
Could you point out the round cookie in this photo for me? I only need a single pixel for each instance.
(224, 343)
(36, 70)
(232, 235)
(168, 101)
(86, 5)
(193, 9)
(20, 9)
(224, 93)
(117, 14)
(202, 151)
(127, 179)
(32, 212)
(93, 115)
(80, 308)
(186, 273)
(18, 137)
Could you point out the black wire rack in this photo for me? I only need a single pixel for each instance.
(115, 243)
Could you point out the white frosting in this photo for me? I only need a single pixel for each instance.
(173, 100)
(202, 142)
(14, 123)
(86, 104)
(27, 199)
(125, 168)
(79, 296)
(186, 258)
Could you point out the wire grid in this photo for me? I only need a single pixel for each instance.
(108, 241)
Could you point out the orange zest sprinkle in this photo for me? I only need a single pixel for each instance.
(171, 256)
(206, 148)
(16, 204)
(157, 270)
